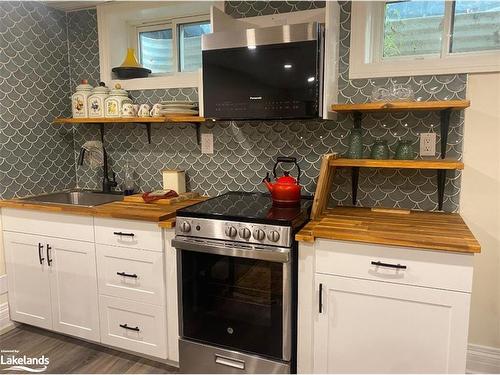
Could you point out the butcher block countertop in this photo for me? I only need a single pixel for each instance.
(414, 229)
(164, 214)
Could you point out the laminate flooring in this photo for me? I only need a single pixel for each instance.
(68, 355)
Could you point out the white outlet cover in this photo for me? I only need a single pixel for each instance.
(427, 144)
(207, 143)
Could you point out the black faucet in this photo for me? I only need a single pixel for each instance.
(107, 184)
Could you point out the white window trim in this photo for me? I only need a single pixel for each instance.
(153, 82)
(365, 50)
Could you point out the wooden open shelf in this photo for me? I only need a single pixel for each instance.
(400, 164)
(437, 105)
(101, 121)
(138, 120)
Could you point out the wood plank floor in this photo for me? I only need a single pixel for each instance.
(72, 356)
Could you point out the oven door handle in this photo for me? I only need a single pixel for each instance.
(280, 255)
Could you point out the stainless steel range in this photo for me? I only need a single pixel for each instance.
(237, 284)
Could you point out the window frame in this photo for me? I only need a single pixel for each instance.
(173, 24)
(366, 54)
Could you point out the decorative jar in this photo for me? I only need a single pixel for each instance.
(380, 150)
(355, 150)
(405, 151)
(114, 102)
(79, 100)
(96, 100)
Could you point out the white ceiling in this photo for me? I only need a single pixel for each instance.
(68, 6)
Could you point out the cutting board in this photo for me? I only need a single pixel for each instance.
(141, 211)
(137, 198)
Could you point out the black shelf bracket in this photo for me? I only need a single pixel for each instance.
(441, 173)
(197, 127)
(148, 131)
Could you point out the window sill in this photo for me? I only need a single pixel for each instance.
(176, 80)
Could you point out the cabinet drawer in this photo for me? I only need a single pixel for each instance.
(134, 326)
(73, 227)
(436, 269)
(131, 273)
(128, 233)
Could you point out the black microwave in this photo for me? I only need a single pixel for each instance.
(264, 73)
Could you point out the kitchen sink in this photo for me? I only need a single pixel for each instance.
(86, 198)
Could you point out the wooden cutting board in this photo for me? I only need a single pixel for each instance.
(141, 211)
(137, 198)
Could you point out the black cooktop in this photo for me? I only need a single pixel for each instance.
(250, 208)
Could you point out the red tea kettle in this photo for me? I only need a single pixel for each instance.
(286, 190)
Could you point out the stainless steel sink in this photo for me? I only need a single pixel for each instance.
(86, 198)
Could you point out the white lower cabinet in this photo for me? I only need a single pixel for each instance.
(366, 308)
(135, 326)
(377, 327)
(53, 283)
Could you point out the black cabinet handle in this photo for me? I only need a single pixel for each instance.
(40, 250)
(130, 328)
(320, 298)
(49, 261)
(381, 264)
(127, 274)
(124, 234)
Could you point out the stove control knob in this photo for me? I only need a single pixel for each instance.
(273, 236)
(185, 227)
(259, 234)
(245, 233)
(231, 231)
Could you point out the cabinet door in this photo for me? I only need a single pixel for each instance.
(73, 284)
(378, 327)
(28, 279)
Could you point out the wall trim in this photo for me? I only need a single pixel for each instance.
(5, 323)
(3, 284)
(483, 359)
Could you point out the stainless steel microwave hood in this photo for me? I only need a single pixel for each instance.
(263, 73)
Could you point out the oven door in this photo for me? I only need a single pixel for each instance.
(236, 296)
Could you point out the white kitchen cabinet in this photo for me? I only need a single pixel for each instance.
(377, 327)
(53, 283)
(384, 309)
(73, 286)
(28, 280)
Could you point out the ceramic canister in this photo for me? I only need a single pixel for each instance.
(79, 100)
(96, 100)
(114, 102)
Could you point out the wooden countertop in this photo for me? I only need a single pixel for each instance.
(160, 213)
(416, 229)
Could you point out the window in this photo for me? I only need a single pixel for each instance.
(396, 38)
(172, 47)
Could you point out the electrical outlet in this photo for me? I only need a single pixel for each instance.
(207, 143)
(427, 144)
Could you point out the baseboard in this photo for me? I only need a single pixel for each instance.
(5, 323)
(483, 359)
(3, 284)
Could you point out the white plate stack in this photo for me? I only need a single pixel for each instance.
(171, 108)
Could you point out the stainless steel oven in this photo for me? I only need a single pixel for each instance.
(235, 306)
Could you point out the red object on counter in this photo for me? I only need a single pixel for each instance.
(158, 194)
(285, 192)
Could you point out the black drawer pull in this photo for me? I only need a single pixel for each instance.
(40, 250)
(130, 328)
(320, 298)
(127, 274)
(124, 234)
(49, 261)
(398, 266)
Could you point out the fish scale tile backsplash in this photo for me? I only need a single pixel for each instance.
(245, 150)
(35, 156)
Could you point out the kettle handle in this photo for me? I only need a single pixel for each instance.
(286, 159)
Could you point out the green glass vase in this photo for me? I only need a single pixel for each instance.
(405, 151)
(380, 150)
(355, 150)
